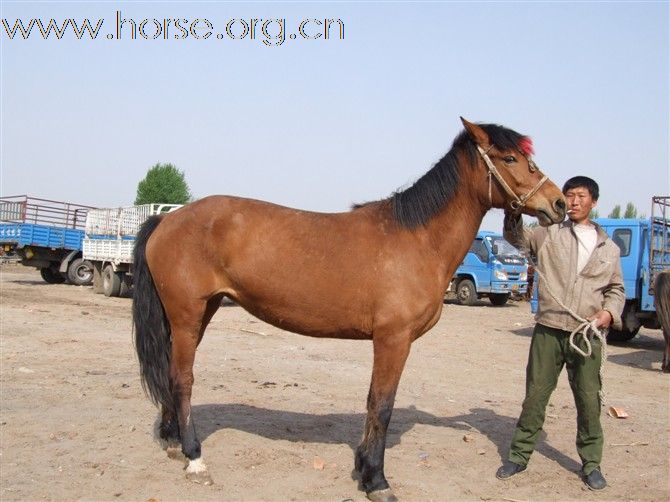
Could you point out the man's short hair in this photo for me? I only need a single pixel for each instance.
(583, 182)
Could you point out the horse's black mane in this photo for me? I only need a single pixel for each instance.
(417, 204)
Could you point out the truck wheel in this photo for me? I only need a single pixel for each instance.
(80, 272)
(466, 294)
(499, 299)
(111, 282)
(52, 276)
(614, 335)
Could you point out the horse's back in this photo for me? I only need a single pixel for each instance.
(232, 229)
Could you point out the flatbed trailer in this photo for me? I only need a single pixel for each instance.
(47, 235)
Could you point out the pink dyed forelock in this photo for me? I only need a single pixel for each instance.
(526, 145)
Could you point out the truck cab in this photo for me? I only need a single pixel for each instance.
(492, 268)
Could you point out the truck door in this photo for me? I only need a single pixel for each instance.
(629, 240)
(476, 264)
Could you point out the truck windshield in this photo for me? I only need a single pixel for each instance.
(501, 247)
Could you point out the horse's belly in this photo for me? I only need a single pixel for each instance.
(315, 323)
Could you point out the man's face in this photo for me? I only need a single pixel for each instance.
(580, 204)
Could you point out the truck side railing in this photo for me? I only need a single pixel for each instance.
(122, 222)
(110, 233)
(659, 240)
(33, 210)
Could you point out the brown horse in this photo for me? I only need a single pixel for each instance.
(662, 304)
(376, 272)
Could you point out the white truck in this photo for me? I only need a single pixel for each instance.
(108, 244)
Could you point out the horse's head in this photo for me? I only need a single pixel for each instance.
(514, 180)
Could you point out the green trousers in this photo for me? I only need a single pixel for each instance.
(549, 351)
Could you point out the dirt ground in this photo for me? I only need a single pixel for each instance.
(279, 414)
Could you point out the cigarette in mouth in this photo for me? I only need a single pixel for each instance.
(569, 211)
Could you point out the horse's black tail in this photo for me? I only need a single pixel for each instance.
(152, 330)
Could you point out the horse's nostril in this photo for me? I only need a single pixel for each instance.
(559, 205)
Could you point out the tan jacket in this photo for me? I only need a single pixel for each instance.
(599, 286)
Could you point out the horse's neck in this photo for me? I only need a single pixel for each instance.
(453, 229)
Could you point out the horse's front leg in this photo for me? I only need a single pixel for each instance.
(390, 354)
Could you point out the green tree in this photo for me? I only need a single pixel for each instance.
(631, 211)
(164, 184)
(594, 214)
(616, 212)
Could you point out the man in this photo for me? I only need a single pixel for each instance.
(580, 264)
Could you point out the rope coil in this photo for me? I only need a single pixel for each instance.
(583, 329)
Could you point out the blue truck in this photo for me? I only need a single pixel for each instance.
(47, 235)
(645, 253)
(492, 268)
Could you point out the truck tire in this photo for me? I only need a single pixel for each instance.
(614, 335)
(52, 276)
(466, 294)
(80, 272)
(499, 299)
(111, 282)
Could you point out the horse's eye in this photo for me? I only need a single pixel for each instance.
(509, 159)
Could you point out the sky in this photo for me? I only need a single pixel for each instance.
(319, 123)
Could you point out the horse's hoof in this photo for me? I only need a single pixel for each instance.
(175, 453)
(202, 478)
(196, 471)
(385, 495)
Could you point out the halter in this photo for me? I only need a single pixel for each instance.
(517, 202)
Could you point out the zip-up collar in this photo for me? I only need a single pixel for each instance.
(602, 235)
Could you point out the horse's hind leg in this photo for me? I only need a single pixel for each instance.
(168, 429)
(168, 432)
(390, 354)
(188, 326)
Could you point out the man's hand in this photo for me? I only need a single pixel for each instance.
(603, 319)
(512, 220)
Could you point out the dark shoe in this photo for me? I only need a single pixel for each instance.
(509, 469)
(595, 480)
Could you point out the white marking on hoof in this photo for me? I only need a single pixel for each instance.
(196, 471)
(195, 466)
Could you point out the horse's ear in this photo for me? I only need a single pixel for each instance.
(477, 134)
